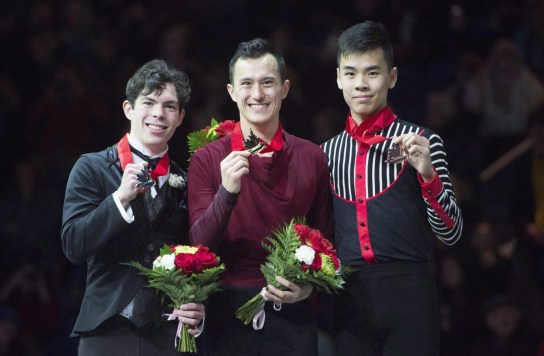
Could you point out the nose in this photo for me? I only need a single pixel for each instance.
(257, 92)
(157, 111)
(361, 82)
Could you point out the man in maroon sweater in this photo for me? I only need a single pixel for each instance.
(236, 199)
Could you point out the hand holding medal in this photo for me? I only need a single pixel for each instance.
(254, 144)
(144, 179)
(395, 154)
(416, 149)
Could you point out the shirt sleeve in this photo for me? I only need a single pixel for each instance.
(210, 204)
(128, 215)
(320, 214)
(443, 213)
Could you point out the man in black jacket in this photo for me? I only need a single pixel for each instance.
(109, 218)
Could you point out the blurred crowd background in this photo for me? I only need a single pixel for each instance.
(471, 70)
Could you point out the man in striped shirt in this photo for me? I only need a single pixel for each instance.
(392, 197)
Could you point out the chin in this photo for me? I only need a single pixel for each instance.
(260, 120)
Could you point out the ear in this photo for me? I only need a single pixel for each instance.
(393, 75)
(180, 117)
(127, 108)
(230, 89)
(338, 82)
(286, 85)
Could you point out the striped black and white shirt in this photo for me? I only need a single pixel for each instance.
(384, 212)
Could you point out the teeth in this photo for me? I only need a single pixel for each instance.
(258, 106)
(155, 127)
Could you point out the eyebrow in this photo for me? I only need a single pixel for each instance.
(366, 69)
(271, 77)
(166, 102)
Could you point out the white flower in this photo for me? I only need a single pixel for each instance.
(166, 261)
(176, 181)
(305, 254)
(157, 262)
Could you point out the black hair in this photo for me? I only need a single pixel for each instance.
(153, 77)
(363, 37)
(257, 48)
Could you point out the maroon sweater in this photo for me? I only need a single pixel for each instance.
(293, 183)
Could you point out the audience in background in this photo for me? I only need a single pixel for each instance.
(460, 61)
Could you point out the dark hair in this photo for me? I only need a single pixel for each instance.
(363, 37)
(256, 48)
(153, 77)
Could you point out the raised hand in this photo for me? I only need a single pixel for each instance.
(417, 148)
(128, 190)
(233, 168)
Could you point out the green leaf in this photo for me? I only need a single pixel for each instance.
(181, 288)
(200, 138)
(281, 261)
(165, 250)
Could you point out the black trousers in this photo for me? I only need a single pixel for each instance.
(290, 331)
(118, 336)
(389, 310)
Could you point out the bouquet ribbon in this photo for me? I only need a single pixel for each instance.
(260, 316)
(173, 316)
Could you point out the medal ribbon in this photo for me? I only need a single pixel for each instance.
(125, 156)
(367, 131)
(237, 140)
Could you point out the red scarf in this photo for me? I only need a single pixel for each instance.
(125, 156)
(367, 131)
(237, 140)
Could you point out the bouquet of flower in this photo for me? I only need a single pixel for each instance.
(301, 255)
(184, 274)
(213, 132)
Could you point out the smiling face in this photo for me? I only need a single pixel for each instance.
(258, 91)
(154, 118)
(365, 79)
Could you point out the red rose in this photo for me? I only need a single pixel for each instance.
(303, 232)
(320, 243)
(335, 261)
(185, 262)
(316, 264)
(225, 128)
(204, 259)
(172, 248)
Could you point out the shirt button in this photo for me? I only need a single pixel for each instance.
(360, 200)
(429, 192)
(366, 247)
(361, 153)
(359, 176)
(362, 223)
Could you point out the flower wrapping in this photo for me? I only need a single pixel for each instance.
(299, 254)
(184, 274)
(211, 133)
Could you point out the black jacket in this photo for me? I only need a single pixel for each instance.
(94, 231)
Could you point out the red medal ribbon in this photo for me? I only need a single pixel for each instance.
(125, 156)
(367, 131)
(237, 140)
